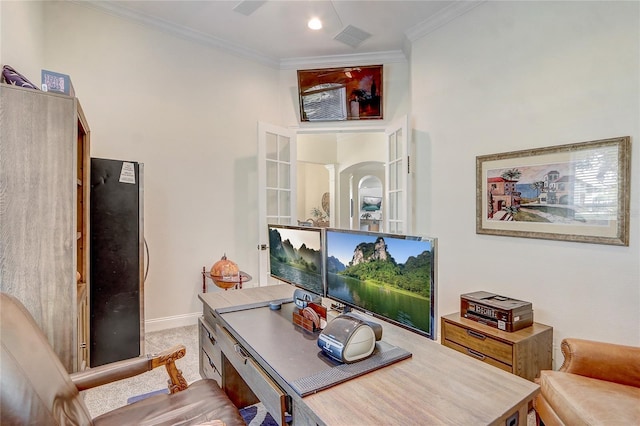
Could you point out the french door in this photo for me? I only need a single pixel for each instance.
(397, 178)
(277, 192)
(276, 185)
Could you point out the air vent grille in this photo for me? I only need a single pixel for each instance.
(247, 7)
(352, 36)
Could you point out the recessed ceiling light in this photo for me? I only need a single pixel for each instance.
(314, 24)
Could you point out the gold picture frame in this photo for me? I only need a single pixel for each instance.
(576, 192)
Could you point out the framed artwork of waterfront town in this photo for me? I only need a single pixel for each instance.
(576, 192)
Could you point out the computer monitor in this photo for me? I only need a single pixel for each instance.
(390, 276)
(296, 256)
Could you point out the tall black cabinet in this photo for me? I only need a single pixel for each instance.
(117, 271)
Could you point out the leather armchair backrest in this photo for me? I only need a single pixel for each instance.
(35, 387)
(603, 361)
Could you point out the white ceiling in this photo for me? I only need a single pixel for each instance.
(275, 31)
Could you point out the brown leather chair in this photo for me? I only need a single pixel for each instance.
(598, 384)
(36, 389)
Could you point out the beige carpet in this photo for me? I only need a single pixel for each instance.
(108, 397)
(114, 395)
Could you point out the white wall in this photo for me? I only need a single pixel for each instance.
(313, 182)
(504, 76)
(517, 75)
(189, 112)
(21, 37)
(317, 148)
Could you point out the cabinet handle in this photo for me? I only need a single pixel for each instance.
(211, 338)
(242, 352)
(476, 334)
(476, 354)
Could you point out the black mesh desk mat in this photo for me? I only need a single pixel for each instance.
(292, 352)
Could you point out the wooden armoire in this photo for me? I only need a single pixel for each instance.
(44, 214)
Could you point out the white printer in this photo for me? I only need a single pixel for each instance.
(349, 338)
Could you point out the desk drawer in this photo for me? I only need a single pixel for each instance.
(478, 355)
(479, 342)
(267, 391)
(209, 341)
(208, 369)
(210, 317)
(210, 354)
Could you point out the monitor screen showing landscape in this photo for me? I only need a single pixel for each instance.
(389, 276)
(296, 256)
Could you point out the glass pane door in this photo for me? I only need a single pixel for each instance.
(276, 184)
(397, 178)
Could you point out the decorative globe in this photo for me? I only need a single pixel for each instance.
(225, 273)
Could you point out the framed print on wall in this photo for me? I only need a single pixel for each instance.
(576, 192)
(338, 94)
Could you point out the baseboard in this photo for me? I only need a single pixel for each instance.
(165, 323)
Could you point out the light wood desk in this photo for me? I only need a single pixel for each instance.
(436, 386)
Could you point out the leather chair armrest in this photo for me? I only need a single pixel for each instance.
(108, 373)
(604, 361)
(545, 416)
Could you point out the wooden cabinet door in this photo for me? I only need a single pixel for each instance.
(38, 186)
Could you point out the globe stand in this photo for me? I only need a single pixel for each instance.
(224, 282)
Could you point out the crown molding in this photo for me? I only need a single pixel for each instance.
(387, 57)
(441, 18)
(180, 31)
(393, 56)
